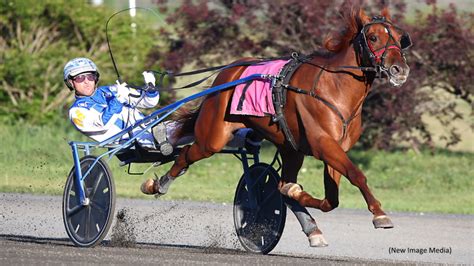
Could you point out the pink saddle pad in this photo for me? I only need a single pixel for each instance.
(257, 98)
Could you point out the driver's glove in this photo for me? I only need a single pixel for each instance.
(121, 91)
(150, 80)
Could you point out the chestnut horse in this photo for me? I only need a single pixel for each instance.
(323, 112)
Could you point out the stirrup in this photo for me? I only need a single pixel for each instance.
(159, 133)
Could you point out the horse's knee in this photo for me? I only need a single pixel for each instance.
(329, 205)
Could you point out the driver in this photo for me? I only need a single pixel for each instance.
(102, 112)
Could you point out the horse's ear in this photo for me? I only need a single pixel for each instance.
(386, 14)
(364, 19)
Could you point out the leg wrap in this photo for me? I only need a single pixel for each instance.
(308, 224)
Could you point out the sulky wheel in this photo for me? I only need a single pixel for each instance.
(87, 225)
(259, 209)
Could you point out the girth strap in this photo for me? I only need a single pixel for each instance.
(279, 97)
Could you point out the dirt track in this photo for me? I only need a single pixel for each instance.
(176, 232)
(29, 251)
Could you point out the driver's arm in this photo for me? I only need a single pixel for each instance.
(147, 97)
(140, 98)
(96, 123)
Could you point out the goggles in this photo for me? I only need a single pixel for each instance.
(82, 77)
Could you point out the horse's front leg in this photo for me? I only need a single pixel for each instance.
(292, 162)
(331, 189)
(328, 150)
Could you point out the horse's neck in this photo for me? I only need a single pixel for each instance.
(347, 92)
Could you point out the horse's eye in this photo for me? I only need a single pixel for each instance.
(373, 38)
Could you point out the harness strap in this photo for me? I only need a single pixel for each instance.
(316, 80)
(242, 97)
(345, 122)
(279, 97)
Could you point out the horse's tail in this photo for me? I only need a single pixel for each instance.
(187, 120)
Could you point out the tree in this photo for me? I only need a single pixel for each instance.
(39, 37)
(35, 37)
(220, 31)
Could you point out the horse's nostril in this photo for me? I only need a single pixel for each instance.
(395, 70)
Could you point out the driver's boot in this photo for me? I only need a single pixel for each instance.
(159, 133)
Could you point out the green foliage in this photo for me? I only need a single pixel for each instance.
(39, 37)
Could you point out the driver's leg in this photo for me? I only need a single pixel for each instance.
(161, 138)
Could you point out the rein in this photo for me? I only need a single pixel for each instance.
(215, 69)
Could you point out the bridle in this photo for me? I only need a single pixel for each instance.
(376, 57)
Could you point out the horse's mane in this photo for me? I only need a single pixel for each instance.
(336, 41)
(354, 20)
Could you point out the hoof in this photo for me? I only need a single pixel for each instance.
(317, 240)
(382, 221)
(148, 187)
(291, 190)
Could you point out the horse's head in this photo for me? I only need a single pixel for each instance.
(381, 45)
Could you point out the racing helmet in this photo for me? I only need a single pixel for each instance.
(77, 66)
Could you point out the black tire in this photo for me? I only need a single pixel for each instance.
(87, 226)
(259, 227)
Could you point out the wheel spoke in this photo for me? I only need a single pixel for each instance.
(264, 201)
(74, 210)
(257, 179)
(96, 184)
(100, 208)
(87, 219)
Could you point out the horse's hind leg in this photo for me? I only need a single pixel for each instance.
(292, 162)
(188, 155)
